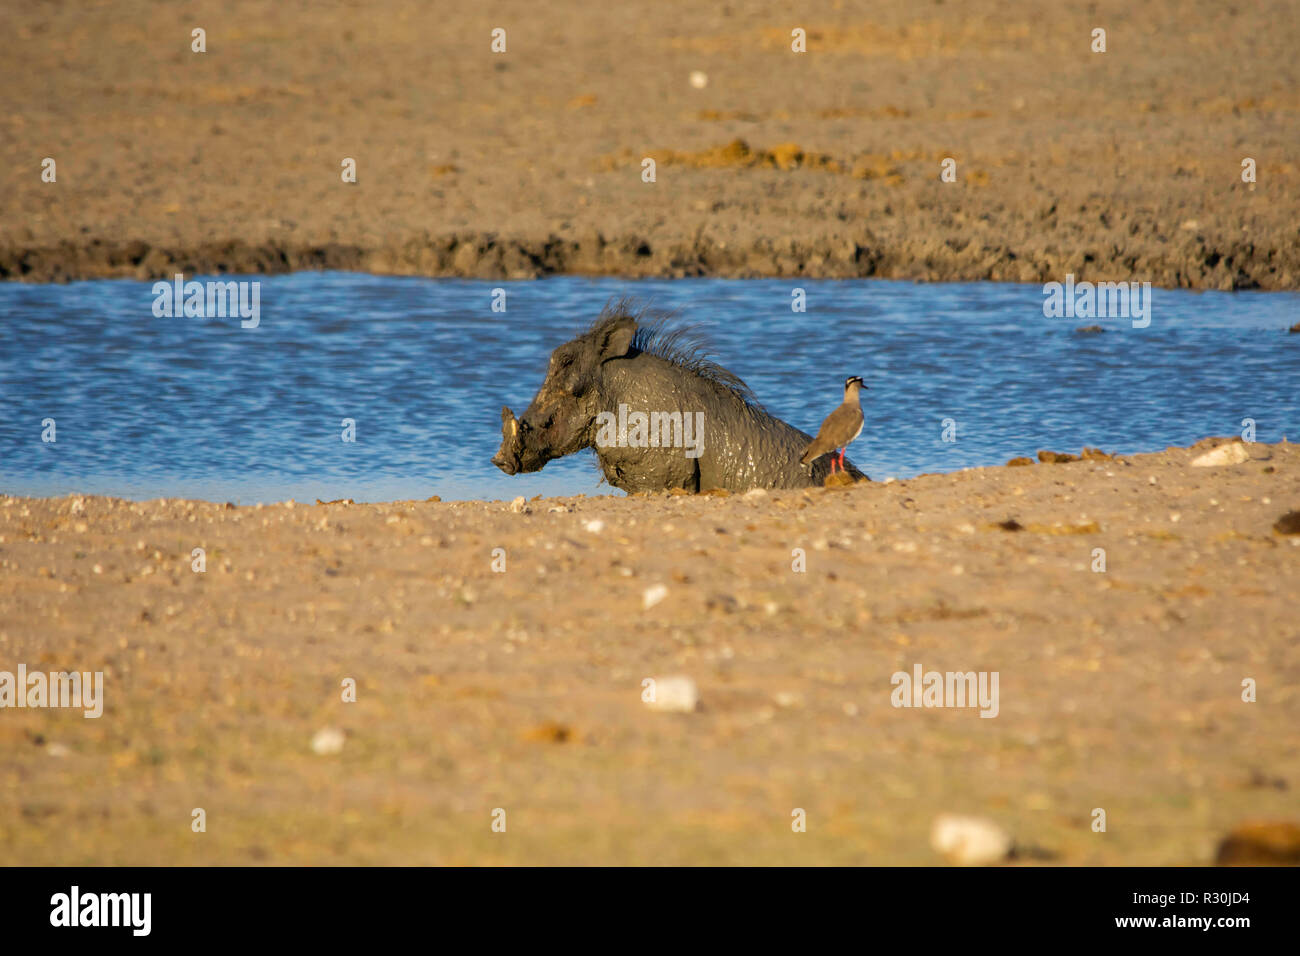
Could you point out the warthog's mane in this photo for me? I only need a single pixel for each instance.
(663, 334)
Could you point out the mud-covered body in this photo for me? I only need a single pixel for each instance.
(616, 368)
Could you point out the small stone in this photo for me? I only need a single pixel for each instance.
(969, 841)
(653, 595)
(328, 740)
(699, 79)
(1056, 457)
(1289, 523)
(1268, 843)
(595, 526)
(520, 505)
(722, 602)
(1019, 462)
(550, 732)
(754, 493)
(677, 695)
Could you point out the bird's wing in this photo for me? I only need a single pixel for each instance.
(824, 441)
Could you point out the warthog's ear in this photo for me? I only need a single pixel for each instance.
(616, 339)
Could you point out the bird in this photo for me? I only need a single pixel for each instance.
(840, 428)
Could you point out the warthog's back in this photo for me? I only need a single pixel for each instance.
(741, 446)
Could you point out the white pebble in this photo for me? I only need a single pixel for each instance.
(969, 841)
(677, 695)
(1233, 453)
(595, 526)
(653, 595)
(328, 740)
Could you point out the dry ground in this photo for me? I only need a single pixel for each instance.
(520, 689)
(1117, 165)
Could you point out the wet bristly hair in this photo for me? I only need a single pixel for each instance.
(661, 334)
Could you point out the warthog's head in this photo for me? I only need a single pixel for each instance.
(562, 416)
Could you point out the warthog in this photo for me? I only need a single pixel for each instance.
(657, 413)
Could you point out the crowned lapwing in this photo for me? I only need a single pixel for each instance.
(841, 427)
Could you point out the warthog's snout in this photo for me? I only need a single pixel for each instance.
(507, 456)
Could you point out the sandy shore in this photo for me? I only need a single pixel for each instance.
(1117, 165)
(520, 689)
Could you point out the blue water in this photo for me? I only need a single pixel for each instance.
(149, 407)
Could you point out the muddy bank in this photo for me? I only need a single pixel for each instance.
(1194, 266)
(1123, 165)
(499, 653)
